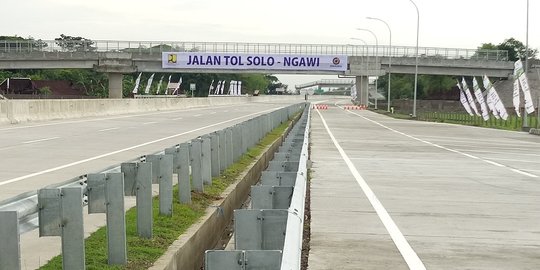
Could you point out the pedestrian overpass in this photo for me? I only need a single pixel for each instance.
(122, 57)
(327, 83)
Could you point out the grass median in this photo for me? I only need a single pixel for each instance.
(142, 253)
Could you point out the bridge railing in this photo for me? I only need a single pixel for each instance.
(345, 82)
(156, 47)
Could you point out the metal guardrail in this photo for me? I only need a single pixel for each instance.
(55, 211)
(269, 235)
(157, 47)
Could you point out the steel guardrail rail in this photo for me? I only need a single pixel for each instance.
(157, 47)
(292, 247)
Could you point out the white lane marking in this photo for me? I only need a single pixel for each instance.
(108, 129)
(179, 118)
(197, 115)
(149, 123)
(41, 140)
(213, 113)
(410, 256)
(20, 178)
(447, 149)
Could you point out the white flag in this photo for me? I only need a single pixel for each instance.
(222, 87)
(159, 85)
(516, 99)
(518, 69)
(239, 92)
(480, 99)
(168, 83)
(469, 96)
(137, 82)
(147, 90)
(177, 87)
(493, 96)
(462, 98)
(489, 98)
(210, 88)
(231, 86)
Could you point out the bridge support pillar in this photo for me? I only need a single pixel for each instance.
(115, 84)
(362, 83)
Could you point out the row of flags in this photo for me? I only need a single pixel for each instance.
(158, 91)
(492, 100)
(235, 87)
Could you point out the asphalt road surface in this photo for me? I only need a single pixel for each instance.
(35, 155)
(401, 194)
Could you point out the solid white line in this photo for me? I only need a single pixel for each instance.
(410, 256)
(42, 140)
(445, 148)
(149, 123)
(197, 115)
(108, 129)
(213, 113)
(179, 118)
(17, 179)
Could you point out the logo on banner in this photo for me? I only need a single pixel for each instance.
(336, 61)
(172, 58)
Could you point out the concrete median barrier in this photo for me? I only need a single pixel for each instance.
(20, 111)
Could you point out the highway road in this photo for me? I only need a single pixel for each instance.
(401, 194)
(38, 154)
(386, 193)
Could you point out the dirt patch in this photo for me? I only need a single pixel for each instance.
(307, 225)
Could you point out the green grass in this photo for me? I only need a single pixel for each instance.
(512, 123)
(142, 253)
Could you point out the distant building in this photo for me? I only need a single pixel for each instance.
(26, 88)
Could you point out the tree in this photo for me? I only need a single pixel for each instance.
(516, 49)
(75, 44)
(19, 43)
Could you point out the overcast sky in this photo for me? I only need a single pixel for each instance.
(453, 24)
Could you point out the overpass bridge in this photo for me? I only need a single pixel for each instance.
(122, 57)
(326, 83)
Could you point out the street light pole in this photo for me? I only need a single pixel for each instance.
(390, 61)
(376, 61)
(416, 63)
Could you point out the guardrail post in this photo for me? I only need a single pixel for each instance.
(222, 150)
(237, 142)
(60, 214)
(72, 228)
(138, 182)
(162, 171)
(10, 252)
(181, 168)
(229, 146)
(195, 148)
(214, 154)
(206, 155)
(106, 195)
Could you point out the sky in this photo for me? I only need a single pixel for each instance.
(449, 24)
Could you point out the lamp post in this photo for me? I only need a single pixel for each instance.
(376, 60)
(390, 60)
(416, 61)
(362, 77)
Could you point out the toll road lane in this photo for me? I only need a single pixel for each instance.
(456, 208)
